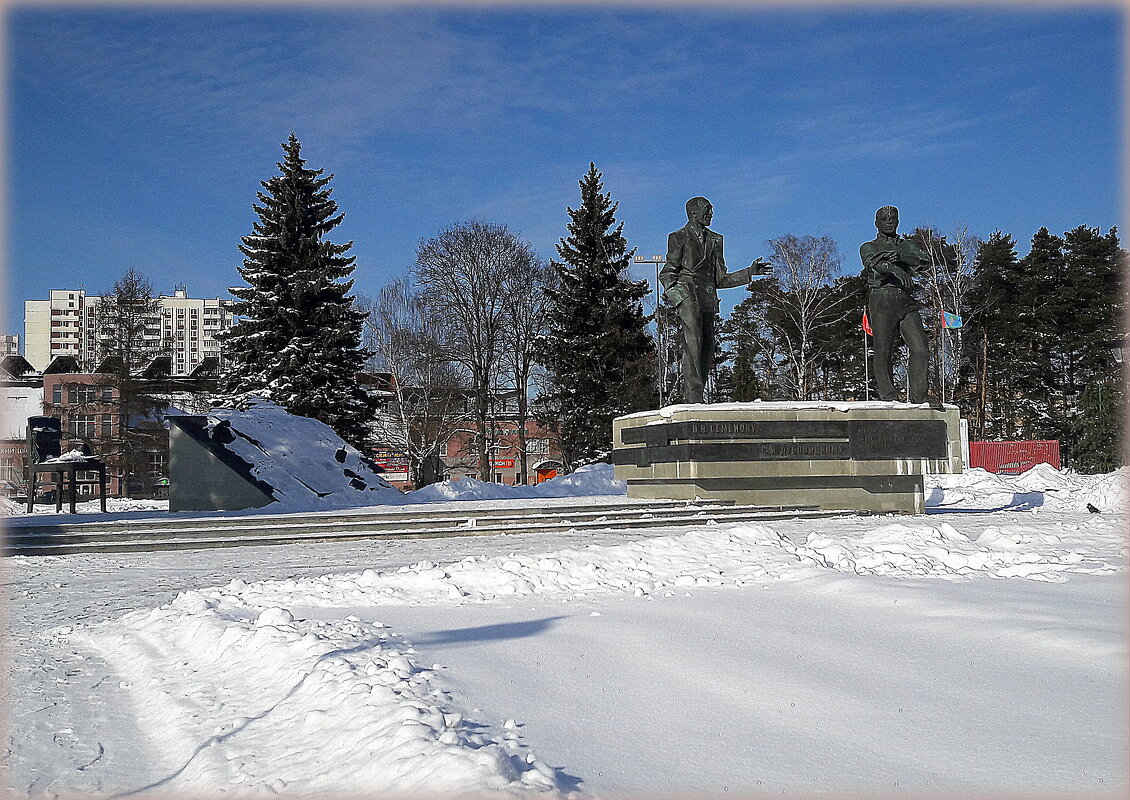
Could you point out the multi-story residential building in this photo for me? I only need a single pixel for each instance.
(9, 344)
(66, 324)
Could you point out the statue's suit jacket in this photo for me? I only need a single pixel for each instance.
(695, 270)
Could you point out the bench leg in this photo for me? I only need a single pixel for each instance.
(74, 488)
(60, 482)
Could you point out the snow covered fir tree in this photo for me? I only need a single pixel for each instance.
(598, 355)
(298, 340)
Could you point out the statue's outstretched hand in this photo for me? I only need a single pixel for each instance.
(760, 267)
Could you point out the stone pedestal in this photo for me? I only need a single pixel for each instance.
(856, 456)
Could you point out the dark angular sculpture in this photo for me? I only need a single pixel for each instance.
(890, 263)
(692, 275)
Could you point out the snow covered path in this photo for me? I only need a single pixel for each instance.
(951, 652)
(72, 729)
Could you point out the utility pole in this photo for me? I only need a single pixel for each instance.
(660, 333)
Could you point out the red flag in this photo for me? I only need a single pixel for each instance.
(867, 324)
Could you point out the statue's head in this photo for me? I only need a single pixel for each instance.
(887, 220)
(700, 210)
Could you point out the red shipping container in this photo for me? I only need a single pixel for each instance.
(1012, 458)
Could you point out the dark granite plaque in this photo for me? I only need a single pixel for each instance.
(737, 429)
(883, 439)
(860, 440)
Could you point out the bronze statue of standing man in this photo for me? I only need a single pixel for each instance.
(890, 263)
(692, 275)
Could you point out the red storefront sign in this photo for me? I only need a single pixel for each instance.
(502, 463)
(393, 465)
(1012, 458)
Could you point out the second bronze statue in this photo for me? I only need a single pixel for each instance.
(693, 273)
(890, 263)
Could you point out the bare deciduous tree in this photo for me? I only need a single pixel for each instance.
(803, 302)
(464, 274)
(426, 406)
(524, 317)
(127, 339)
(948, 284)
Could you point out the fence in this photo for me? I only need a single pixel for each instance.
(1012, 458)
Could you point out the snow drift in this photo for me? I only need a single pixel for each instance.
(591, 480)
(1043, 486)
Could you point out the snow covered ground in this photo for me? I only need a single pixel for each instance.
(981, 647)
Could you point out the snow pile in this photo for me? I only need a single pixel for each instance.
(713, 555)
(707, 557)
(70, 455)
(306, 464)
(591, 480)
(1014, 551)
(1041, 486)
(261, 702)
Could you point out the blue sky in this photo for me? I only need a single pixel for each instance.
(137, 137)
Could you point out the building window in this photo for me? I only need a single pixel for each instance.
(107, 425)
(157, 465)
(83, 426)
(11, 470)
(108, 393)
(83, 394)
(57, 394)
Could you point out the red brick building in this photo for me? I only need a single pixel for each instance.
(88, 405)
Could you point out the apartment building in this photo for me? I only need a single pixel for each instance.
(9, 344)
(66, 324)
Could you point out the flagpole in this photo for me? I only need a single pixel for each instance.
(866, 371)
(943, 361)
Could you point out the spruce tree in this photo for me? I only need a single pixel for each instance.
(298, 340)
(597, 352)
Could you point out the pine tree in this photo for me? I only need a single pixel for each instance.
(994, 338)
(1087, 323)
(1040, 393)
(597, 352)
(298, 341)
(841, 372)
(1041, 332)
(757, 370)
